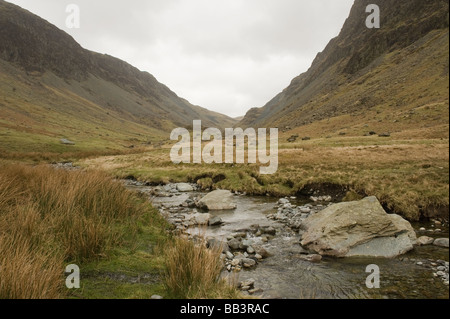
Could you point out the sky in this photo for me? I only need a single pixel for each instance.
(225, 55)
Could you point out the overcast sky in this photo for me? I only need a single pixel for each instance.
(225, 55)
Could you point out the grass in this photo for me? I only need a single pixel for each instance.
(408, 174)
(193, 272)
(50, 218)
(28, 271)
(34, 120)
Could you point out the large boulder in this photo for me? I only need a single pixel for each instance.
(359, 228)
(217, 200)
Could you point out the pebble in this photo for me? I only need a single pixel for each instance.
(236, 262)
(425, 240)
(283, 201)
(312, 258)
(441, 242)
(293, 216)
(240, 235)
(249, 282)
(234, 244)
(247, 243)
(305, 210)
(255, 291)
(248, 263)
(270, 231)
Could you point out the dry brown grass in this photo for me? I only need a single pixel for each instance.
(193, 272)
(409, 176)
(28, 272)
(47, 157)
(48, 217)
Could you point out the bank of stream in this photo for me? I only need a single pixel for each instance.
(284, 272)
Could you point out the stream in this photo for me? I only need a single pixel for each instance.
(284, 275)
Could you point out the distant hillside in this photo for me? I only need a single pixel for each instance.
(393, 78)
(52, 88)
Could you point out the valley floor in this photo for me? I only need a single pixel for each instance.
(408, 175)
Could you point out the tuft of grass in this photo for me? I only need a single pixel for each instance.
(193, 272)
(28, 270)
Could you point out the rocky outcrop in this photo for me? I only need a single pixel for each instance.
(348, 59)
(217, 200)
(360, 228)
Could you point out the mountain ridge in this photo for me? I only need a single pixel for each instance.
(33, 50)
(347, 59)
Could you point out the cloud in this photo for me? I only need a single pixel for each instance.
(227, 56)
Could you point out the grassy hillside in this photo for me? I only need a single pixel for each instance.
(391, 79)
(52, 88)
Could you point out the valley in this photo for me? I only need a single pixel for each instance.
(91, 175)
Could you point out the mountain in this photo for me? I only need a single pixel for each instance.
(394, 78)
(52, 88)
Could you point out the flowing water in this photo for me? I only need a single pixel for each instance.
(285, 275)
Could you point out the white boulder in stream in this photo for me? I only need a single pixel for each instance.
(359, 228)
(217, 200)
(184, 187)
